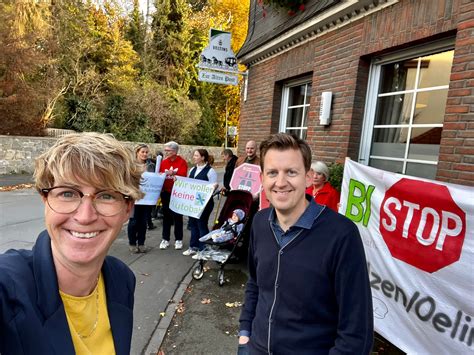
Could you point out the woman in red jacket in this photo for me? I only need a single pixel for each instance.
(321, 190)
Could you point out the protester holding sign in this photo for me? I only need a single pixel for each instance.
(199, 226)
(250, 156)
(321, 190)
(172, 165)
(308, 290)
(137, 224)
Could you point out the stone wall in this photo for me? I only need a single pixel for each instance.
(18, 154)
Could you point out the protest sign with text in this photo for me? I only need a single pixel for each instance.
(418, 237)
(150, 185)
(190, 196)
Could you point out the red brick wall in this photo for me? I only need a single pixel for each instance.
(456, 158)
(339, 62)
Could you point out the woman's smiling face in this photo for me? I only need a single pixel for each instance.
(83, 236)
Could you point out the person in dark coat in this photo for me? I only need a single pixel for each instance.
(308, 290)
(230, 160)
(66, 296)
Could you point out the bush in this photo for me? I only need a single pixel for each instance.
(336, 171)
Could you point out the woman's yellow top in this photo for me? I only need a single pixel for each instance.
(88, 321)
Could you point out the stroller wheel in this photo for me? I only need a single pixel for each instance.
(220, 277)
(198, 272)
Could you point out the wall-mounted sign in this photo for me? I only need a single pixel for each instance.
(218, 78)
(232, 131)
(218, 54)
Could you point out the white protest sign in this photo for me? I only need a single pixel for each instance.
(158, 163)
(150, 185)
(190, 196)
(418, 237)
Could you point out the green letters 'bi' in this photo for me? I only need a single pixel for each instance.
(357, 201)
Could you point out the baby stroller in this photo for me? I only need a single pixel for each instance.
(222, 252)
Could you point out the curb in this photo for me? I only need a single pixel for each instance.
(159, 333)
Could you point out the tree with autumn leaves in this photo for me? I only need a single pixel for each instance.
(87, 67)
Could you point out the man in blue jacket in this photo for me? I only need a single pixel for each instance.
(308, 290)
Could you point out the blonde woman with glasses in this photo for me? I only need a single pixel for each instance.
(66, 296)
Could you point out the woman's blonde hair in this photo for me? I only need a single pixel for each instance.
(94, 159)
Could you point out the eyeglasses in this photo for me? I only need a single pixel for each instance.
(65, 199)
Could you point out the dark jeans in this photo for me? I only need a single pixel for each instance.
(199, 227)
(169, 216)
(243, 349)
(137, 225)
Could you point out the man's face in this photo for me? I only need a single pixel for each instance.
(251, 149)
(170, 153)
(284, 180)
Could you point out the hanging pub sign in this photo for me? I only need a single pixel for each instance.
(218, 63)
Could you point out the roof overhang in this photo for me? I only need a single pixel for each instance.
(338, 15)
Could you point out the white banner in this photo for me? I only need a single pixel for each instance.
(418, 237)
(151, 185)
(190, 196)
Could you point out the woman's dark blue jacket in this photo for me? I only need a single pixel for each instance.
(32, 317)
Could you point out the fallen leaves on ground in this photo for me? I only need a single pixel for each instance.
(180, 307)
(233, 304)
(16, 187)
(144, 274)
(162, 314)
(206, 301)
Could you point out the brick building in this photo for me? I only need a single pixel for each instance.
(401, 74)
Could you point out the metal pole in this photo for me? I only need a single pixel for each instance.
(226, 117)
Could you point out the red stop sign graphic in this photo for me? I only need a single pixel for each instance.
(422, 225)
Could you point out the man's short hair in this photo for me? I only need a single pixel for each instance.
(285, 141)
(228, 152)
(172, 145)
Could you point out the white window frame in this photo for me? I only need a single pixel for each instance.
(284, 105)
(372, 96)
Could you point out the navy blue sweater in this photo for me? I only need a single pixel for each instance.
(313, 295)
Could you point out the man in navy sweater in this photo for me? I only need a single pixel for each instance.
(308, 290)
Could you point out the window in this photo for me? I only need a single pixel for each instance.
(295, 108)
(405, 108)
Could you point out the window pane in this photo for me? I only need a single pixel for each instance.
(387, 142)
(398, 76)
(436, 69)
(393, 109)
(421, 170)
(294, 117)
(388, 165)
(296, 95)
(424, 143)
(297, 132)
(430, 106)
(309, 92)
